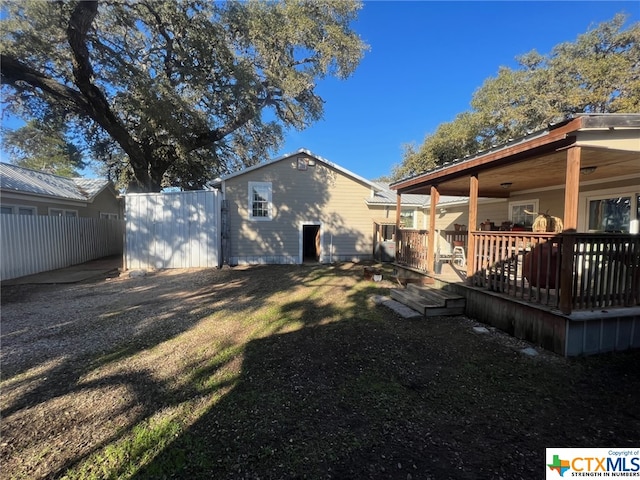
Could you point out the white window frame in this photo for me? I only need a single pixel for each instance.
(15, 209)
(534, 201)
(268, 187)
(67, 213)
(414, 217)
(109, 216)
(586, 197)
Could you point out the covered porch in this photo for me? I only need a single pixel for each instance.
(574, 289)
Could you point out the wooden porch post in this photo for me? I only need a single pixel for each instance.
(572, 189)
(397, 235)
(473, 223)
(570, 224)
(435, 198)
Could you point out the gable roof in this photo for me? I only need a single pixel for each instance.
(25, 180)
(306, 152)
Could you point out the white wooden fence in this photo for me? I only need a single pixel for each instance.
(173, 230)
(39, 243)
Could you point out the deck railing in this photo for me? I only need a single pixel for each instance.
(605, 270)
(412, 248)
(569, 271)
(523, 265)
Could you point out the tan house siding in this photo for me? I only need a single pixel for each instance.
(105, 202)
(454, 214)
(318, 195)
(422, 220)
(383, 213)
(622, 184)
(387, 214)
(549, 201)
(41, 208)
(496, 211)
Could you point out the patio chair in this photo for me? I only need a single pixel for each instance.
(459, 256)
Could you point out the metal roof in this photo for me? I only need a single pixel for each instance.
(386, 196)
(18, 179)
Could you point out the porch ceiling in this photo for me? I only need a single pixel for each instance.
(538, 172)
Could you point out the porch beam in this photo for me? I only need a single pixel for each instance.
(435, 198)
(473, 223)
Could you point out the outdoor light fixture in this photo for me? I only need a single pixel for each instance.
(587, 170)
(443, 211)
(506, 185)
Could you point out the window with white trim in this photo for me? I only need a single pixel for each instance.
(59, 212)
(109, 216)
(18, 210)
(518, 215)
(260, 198)
(407, 218)
(611, 213)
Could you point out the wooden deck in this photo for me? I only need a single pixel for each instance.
(580, 333)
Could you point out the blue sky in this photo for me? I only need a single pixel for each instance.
(426, 60)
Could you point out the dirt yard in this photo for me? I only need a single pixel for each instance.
(284, 372)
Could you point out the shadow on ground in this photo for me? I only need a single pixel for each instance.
(287, 373)
(368, 398)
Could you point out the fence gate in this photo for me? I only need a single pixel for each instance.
(173, 230)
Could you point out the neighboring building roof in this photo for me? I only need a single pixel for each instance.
(289, 155)
(386, 196)
(18, 179)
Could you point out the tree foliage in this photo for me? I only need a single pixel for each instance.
(598, 73)
(44, 147)
(180, 91)
(451, 141)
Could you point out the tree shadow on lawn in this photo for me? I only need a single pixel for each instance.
(118, 323)
(382, 397)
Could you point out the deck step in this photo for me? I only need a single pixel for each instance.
(438, 296)
(428, 301)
